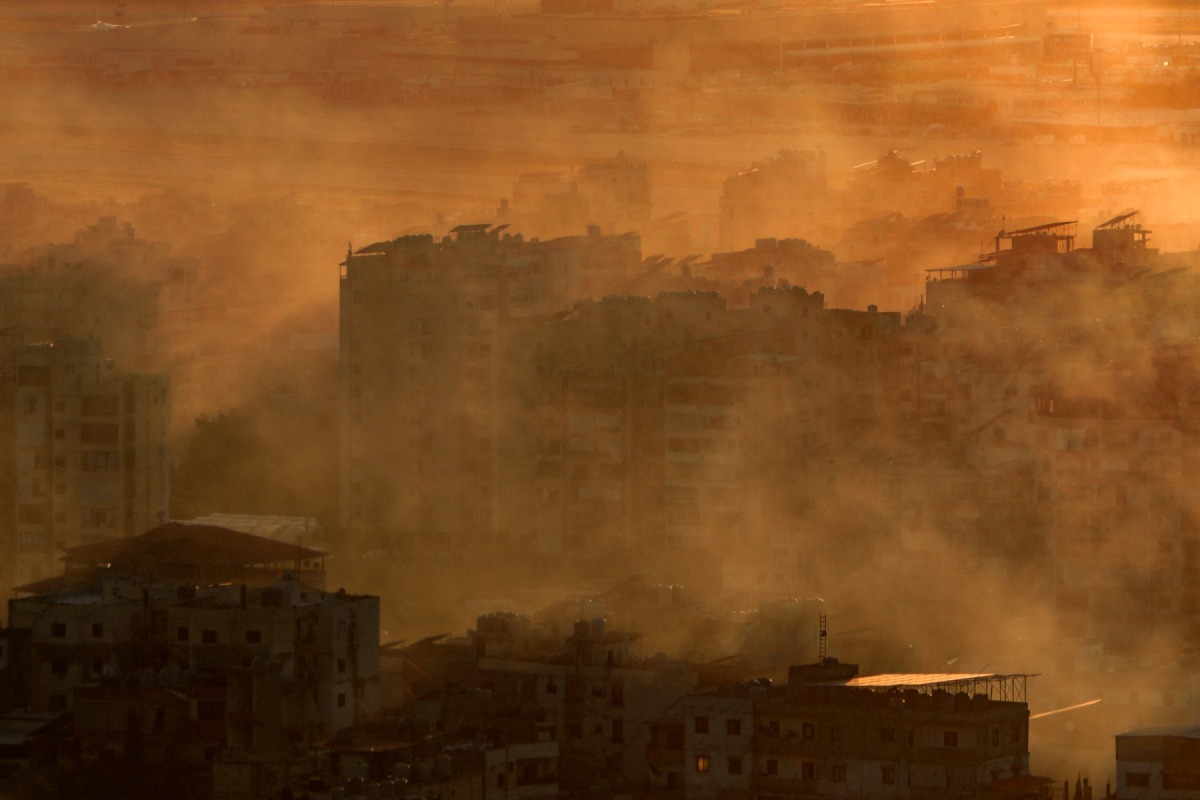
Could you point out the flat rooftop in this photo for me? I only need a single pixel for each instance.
(1179, 731)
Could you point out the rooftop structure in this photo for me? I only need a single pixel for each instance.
(195, 553)
(1007, 688)
(1044, 256)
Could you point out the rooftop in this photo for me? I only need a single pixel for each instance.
(182, 543)
(1191, 731)
(997, 687)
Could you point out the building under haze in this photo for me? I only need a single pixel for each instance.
(585, 687)
(831, 733)
(787, 195)
(198, 648)
(429, 388)
(679, 428)
(1158, 763)
(86, 458)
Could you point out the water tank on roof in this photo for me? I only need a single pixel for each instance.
(583, 629)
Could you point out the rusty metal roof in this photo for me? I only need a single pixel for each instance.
(203, 545)
(916, 678)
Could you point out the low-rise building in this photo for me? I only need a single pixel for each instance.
(161, 661)
(831, 733)
(1159, 763)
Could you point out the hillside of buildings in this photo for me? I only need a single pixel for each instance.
(679, 399)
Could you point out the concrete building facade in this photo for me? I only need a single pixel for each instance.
(88, 454)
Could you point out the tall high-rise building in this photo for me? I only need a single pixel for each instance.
(84, 456)
(428, 389)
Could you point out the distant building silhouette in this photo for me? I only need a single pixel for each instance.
(87, 453)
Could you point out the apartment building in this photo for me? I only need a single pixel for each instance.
(832, 733)
(87, 454)
(428, 390)
(786, 195)
(586, 689)
(158, 662)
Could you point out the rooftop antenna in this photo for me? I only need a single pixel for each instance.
(823, 641)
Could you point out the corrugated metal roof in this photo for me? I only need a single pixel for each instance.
(180, 543)
(915, 678)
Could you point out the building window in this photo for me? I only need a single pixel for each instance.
(887, 734)
(98, 433)
(58, 669)
(1016, 733)
(701, 763)
(808, 731)
(808, 771)
(735, 765)
(835, 733)
(100, 461)
(342, 700)
(950, 739)
(1137, 779)
(210, 710)
(208, 636)
(838, 773)
(996, 738)
(253, 637)
(618, 695)
(97, 630)
(887, 775)
(701, 725)
(772, 766)
(618, 731)
(181, 634)
(575, 730)
(551, 687)
(58, 630)
(31, 514)
(733, 727)
(341, 665)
